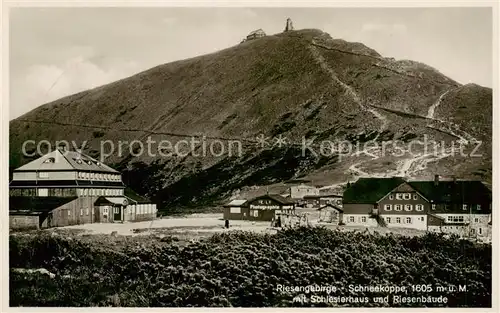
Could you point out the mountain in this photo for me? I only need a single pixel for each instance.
(301, 85)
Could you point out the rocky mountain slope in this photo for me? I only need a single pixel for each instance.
(299, 85)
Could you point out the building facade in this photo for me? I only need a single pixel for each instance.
(262, 208)
(461, 207)
(68, 188)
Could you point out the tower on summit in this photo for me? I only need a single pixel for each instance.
(289, 25)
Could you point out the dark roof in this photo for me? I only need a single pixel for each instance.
(278, 198)
(333, 195)
(37, 204)
(436, 216)
(131, 194)
(330, 206)
(312, 197)
(64, 183)
(370, 190)
(450, 191)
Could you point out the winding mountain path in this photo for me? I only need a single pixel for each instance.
(349, 90)
(404, 167)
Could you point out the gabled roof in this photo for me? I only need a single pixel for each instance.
(329, 205)
(277, 198)
(134, 196)
(37, 204)
(474, 192)
(64, 160)
(370, 190)
(257, 31)
(236, 202)
(111, 200)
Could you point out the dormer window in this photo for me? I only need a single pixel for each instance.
(79, 161)
(50, 160)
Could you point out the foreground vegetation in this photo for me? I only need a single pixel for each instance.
(242, 268)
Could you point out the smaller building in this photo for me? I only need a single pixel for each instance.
(259, 33)
(298, 192)
(262, 208)
(330, 213)
(236, 210)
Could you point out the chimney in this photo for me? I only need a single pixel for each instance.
(436, 180)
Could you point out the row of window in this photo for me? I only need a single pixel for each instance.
(407, 207)
(390, 220)
(81, 212)
(465, 207)
(100, 192)
(406, 220)
(88, 175)
(403, 196)
(99, 176)
(140, 209)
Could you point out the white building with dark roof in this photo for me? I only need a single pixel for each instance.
(66, 188)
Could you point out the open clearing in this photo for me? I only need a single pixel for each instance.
(195, 226)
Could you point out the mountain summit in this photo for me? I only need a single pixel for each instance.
(299, 85)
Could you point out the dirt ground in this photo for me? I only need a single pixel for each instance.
(203, 225)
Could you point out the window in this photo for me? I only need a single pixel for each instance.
(407, 196)
(92, 175)
(391, 197)
(415, 197)
(408, 220)
(363, 219)
(419, 207)
(399, 196)
(408, 207)
(81, 212)
(43, 192)
(105, 211)
(87, 211)
(116, 210)
(455, 219)
(480, 230)
(388, 207)
(351, 219)
(43, 175)
(476, 220)
(397, 207)
(398, 220)
(472, 231)
(235, 210)
(464, 207)
(50, 160)
(479, 208)
(69, 212)
(433, 206)
(254, 213)
(422, 218)
(388, 220)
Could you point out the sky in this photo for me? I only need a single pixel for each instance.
(55, 52)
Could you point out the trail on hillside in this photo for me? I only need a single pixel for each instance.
(349, 90)
(405, 167)
(432, 108)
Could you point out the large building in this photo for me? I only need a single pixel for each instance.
(66, 188)
(454, 206)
